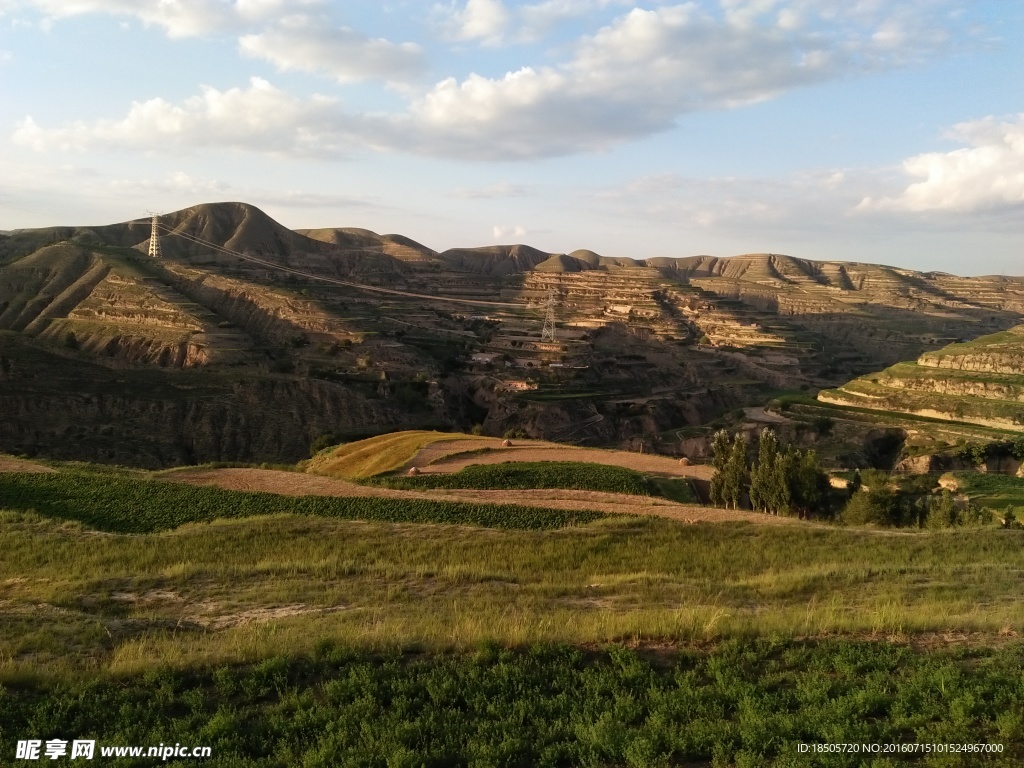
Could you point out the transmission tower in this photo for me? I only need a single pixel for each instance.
(154, 237)
(548, 331)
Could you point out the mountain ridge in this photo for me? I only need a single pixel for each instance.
(410, 336)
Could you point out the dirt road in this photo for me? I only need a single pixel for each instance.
(445, 457)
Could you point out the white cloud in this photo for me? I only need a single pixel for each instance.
(537, 19)
(632, 78)
(177, 182)
(301, 199)
(502, 233)
(786, 207)
(312, 45)
(292, 41)
(639, 74)
(493, 191)
(260, 117)
(636, 76)
(483, 20)
(986, 175)
(179, 18)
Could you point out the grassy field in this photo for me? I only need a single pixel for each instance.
(376, 455)
(284, 631)
(743, 704)
(239, 590)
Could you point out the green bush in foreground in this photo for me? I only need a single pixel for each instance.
(524, 475)
(737, 704)
(122, 505)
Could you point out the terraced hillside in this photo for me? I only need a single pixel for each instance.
(379, 332)
(977, 382)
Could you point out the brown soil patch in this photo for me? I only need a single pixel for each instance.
(762, 416)
(616, 503)
(444, 457)
(253, 615)
(11, 464)
(298, 484)
(277, 481)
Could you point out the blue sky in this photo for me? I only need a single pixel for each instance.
(886, 131)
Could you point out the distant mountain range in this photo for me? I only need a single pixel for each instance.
(248, 340)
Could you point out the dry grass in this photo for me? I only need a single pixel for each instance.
(12, 464)
(375, 455)
(240, 590)
(451, 457)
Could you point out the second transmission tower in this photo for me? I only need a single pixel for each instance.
(547, 333)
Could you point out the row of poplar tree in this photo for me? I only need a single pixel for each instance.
(779, 481)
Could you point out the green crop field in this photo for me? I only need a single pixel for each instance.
(513, 476)
(992, 490)
(107, 502)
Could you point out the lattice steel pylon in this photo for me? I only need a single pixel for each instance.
(547, 333)
(154, 237)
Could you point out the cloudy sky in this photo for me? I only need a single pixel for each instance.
(887, 131)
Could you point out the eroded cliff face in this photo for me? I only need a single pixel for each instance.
(619, 423)
(989, 390)
(982, 362)
(66, 408)
(265, 314)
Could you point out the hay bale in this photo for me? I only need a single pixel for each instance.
(684, 462)
(413, 471)
(506, 443)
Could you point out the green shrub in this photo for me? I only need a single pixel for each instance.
(823, 425)
(942, 512)
(879, 506)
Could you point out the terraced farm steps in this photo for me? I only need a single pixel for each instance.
(977, 382)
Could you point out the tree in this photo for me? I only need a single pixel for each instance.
(721, 444)
(735, 473)
(765, 483)
(806, 482)
(785, 481)
(942, 512)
